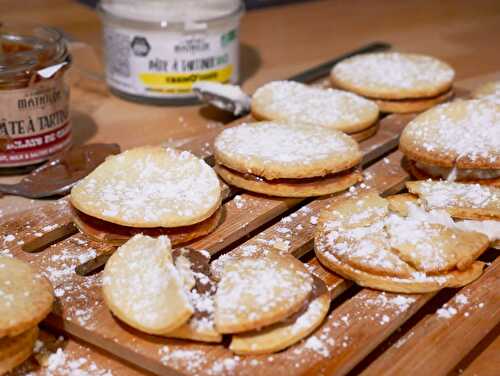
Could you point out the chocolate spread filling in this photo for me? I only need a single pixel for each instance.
(318, 288)
(204, 282)
(257, 178)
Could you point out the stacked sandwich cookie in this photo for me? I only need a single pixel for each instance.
(288, 101)
(25, 299)
(397, 245)
(457, 141)
(151, 190)
(397, 82)
(287, 159)
(266, 302)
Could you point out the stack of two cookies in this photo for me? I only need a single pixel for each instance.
(287, 159)
(457, 141)
(148, 190)
(411, 243)
(395, 245)
(266, 301)
(397, 82)
(25, 299)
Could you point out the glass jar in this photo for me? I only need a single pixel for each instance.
(34, 99)
(156, 49)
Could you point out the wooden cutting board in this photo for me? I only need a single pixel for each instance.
(359, 324)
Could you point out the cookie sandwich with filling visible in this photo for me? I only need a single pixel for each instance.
(396, 82)
(287, 159)
(457, 141)
(148, 190)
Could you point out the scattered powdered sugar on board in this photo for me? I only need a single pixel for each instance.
(239, 202)
(193, 361)
(57, 357)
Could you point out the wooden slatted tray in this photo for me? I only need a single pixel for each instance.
(361, 321)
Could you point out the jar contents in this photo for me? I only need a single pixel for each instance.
(156, 50)
(34, 100)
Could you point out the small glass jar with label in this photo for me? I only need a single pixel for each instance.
(157, 49)
(34, 98)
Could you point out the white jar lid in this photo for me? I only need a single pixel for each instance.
(177, 11)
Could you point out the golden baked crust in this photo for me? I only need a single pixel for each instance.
(26, 297)
(393, 75)
(294, 102)
(291, 187)
(114, 234)
(395, 245)
(149, 186)
(15, 350)
(411, 167)
(403, 106)
(283, 334)
(290, 151)
(366, 133)
(255, 291)
(403, 285)
(465, 134)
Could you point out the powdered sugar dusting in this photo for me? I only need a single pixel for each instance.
(150, 186)
(296, 102)
(395, 71)
(466, 131)
(291, 145)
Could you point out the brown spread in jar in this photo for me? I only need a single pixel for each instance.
(34, 99)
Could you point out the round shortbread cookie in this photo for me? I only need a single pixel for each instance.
(298, 103)
(113, 234)
(142, 287)
(489, 91)
(393, 75)
(150, 186)
(284, 334)
(382, 244)
(288, 151)
(26, 297)
(255, 291)
(291, 187)
(411, 167)
(404, 106)
(465, 134)
(15, 350)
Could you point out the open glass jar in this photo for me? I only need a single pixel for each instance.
(34, 99)
(156, 49)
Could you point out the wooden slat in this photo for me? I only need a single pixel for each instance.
(99, 327)
(451, 332)
(74, 358)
